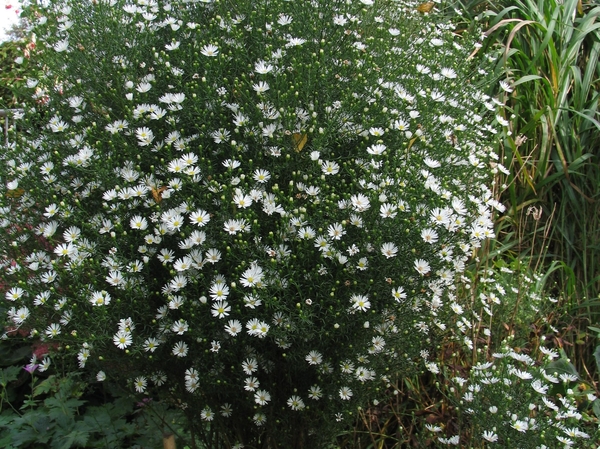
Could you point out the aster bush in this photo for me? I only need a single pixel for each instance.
(260, 211)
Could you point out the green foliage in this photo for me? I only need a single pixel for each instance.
(15, 69)
(551, 57)
(63, 413)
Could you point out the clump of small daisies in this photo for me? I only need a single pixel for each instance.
(260, 209)
(514, 400)
(518, 392)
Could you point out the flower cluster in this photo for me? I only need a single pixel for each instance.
(260, 208)
(521, 402)
(513, 391)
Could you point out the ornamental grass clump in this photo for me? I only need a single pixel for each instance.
(259, 210)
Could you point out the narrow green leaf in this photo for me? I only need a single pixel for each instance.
(526, 78)
(597, 356)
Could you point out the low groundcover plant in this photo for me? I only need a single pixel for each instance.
(261, 210)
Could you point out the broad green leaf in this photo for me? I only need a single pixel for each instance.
(6, 418)
(562, 366)
(8, 375)
(596, 408)
(5, 440)
(13, 356)
(67, 407)
(597, 356)
(75, 438)
(45, 386)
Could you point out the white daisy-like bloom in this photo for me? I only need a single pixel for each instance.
(505, 86)
(219, 291)
(220, 309)
(210, 50)
(213, 255)
(295, 42)
(345, 393)
(180, 327)
(340, 20)
(389, 250)
(314, 358)
(284, 19)
(259, 419)
(521, 374)
(233, 327)
(257, 328)
(376, 131)
(261, 176)
(61, 46)
(550, 353)
(360, 202)
(240, 199)
(144, 135)
(122, 339)
(200, 217)
(252, 276)
(376, 149)
(250, 365)
(429, 236)
(151, 344)
(399, 294)
(520, 425)
(180, 349)
(456, 308)
(138, 222)
(360, 302)
(431, 163)
(262, 68)
(20, 315)
(261, 87)
(336, 231)
(295, 403)
(140, 384)
(14, 293)
(306, 233)
(207, 414)
(66, 249)
(172, 46)
(422, 267)
(330, 167)
(101, 298)
(539, 387)
(262, 397)
(448, 73)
